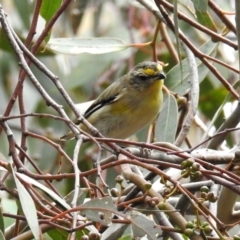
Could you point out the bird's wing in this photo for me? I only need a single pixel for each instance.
(108, 96)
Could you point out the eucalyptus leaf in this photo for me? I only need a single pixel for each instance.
(75, 46)
(53, 195)
(188, 4)
(60, 234)
(81, 196)
(142, 226)
(99, 210)
(206, 20)
(2, 237)
(28, 207)
(115, 231)
(49, 8)
(166, 125)
(1, 219)
(47, 11)
(201, 7)
(174, 82)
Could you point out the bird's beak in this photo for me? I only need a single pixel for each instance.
(161, 76)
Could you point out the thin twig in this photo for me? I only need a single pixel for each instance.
(196, 25)
(76, 184)
(168, 42)
(41, 38)
(221, 15)
(197, 53)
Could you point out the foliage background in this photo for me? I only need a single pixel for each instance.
(84, 76)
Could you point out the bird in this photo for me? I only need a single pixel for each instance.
(129, 104)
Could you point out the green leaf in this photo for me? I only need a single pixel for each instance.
(173, 81)
(74, 46)
(126, 237)
(4, 42)
(115, 231)
(2, 237)
(52, 194)
(60, 234)
(166, 125)
(28, 206)
(142, 226)
(203, 16)
(81, 196)
(200, 5)
(6, 46)
(48, 191)
(92, 208)
(49, 8)
(206, 20)
(1, 219)
(188, 4)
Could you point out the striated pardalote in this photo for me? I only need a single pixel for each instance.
(128, 104)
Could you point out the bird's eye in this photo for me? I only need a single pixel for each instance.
(143, 76)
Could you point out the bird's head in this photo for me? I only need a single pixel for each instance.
(145, 74)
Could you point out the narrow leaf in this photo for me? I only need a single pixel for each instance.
(28, 207)
(142, 226)
(188, 4)
(200, 5)
(202, 14)
(166, 126)
(53, 195)
(2, 237)
(2, 228)
(60, 234)
(74, 46)
(49, 8)
(81, 196)
(206, 20)
(99, 210)
(115, 231)
(174, 82)
(37, 184)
